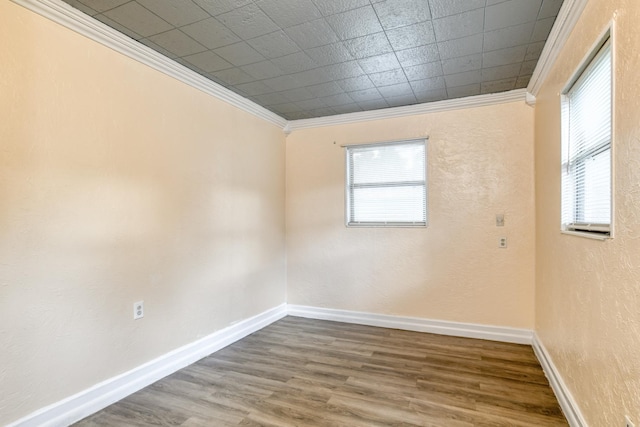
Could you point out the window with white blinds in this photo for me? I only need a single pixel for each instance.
(386, 184)
(586, 163)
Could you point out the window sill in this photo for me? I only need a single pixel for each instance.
(586, 234)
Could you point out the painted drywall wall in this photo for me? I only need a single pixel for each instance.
(480, 163)
(119, 184)
(588, 291)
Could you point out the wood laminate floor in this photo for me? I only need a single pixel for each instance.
(302, 372)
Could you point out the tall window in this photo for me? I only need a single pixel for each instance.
(586, 164)
(386, 184)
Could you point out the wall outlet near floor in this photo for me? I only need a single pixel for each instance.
(627, 422)
(502, 242)
(138, 310)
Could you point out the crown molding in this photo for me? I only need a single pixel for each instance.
(567, 18)
(411, 110)
(77, 21)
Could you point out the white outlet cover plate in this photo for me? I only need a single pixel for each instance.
(138, 310)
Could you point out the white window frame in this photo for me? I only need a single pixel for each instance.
(349, 187)
(593, 231)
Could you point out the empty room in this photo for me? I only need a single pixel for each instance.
(320, 213)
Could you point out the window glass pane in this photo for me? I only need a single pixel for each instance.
(393, 163)
(586, 165)
(386, 184)
(389, 204)
(594, 190)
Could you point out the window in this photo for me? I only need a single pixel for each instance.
(586, 159)
(386, 184)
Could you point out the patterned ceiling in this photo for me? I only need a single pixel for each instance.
(313, 58)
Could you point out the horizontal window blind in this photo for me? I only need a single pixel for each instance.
(386, 184)
(586, 110)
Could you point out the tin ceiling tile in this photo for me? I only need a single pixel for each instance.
(217, 7)
(508, 37)
(347, 108)
(211, 33)
(460, 25)
(330, 54)
(399, 89)
(295, 62)
(262, 70)
(248, 22)
(312, 34)
(138, 19)
(233, 76)
(462, 64)
(442, 8)
(400, 13)
(379, 63)
(418, 55)
(369, 45)
(425, 85)
(254, 88)
(343, 70)
(431, 95)
(460, 47)
(299, 94)
(388, 78)
(511, 12)
(274, 45)
(178, 43)
(365, 95)
(176, 12)
(287, 13)
(355, 23)
(333, 7)
(423, 71)
(355, 83)
(501, 72)
(506, 56)
(412, 35)
(239, 54)
(102, 5)
(463, 91)
(463, 79)
(208, 61)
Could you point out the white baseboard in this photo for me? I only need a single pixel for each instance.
(565, 399)
(468, 330)
(87, 402)
(101, 395)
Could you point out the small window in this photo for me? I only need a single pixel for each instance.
(386, 184)
(586, 139)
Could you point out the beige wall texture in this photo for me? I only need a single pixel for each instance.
(119, 184)
(588, 291)
(480, 163)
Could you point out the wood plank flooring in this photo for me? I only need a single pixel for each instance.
(302, 372)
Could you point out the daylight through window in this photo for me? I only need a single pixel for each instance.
(586, 166)
(386, 184)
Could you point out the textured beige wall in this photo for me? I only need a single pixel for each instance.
(119, 184)
(480, 163)
(588, 291)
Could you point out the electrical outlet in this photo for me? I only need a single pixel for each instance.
(138, 310)
(502, 243)
(628, 422)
